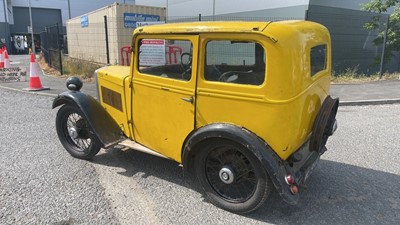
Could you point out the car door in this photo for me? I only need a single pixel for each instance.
(163, 98)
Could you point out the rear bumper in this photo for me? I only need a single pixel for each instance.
(290, 175)
(301, 164)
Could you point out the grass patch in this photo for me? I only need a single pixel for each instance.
(352, 75)
(77, 67)
(72, 67)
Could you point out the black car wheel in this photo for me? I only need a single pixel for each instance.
(74, 133)
(232, 176)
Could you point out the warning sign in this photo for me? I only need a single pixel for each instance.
(13, 74)
(152, 52)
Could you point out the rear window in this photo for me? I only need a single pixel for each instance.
(318, 59)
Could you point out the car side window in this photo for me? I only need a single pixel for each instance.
(166, 58)
(230, 61)
(318, 59)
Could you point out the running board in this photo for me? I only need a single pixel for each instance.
(138, 147)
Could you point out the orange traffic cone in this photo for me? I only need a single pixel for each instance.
(6, 59)
(1, 58)
(34, 79)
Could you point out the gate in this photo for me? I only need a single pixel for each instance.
(51, 43)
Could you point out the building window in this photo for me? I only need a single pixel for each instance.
(171, 59)
(240, 62)
(318, 59)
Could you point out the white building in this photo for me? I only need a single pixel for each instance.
(14, 15)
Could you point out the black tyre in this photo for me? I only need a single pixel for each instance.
(74, 133)
(231, 176)
(323, 124)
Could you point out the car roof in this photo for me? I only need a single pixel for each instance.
(274, 30)
(203, 27)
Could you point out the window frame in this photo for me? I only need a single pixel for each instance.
(325, 61)
(166, 38)
(258, 60)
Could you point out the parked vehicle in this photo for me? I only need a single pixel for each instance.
(244, 106)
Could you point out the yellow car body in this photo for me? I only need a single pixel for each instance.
(281, 110)
(260, 87)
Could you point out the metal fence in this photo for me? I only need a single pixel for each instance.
(52, 46)
(102, 41)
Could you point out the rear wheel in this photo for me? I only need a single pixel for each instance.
(74, 133)
(232, 176)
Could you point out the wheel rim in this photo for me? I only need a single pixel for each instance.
(231, 174)
(76, 132)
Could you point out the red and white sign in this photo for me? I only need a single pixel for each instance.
(152, 52)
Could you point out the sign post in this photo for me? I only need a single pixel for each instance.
(30, 17)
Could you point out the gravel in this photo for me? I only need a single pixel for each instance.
(356, 181)
(39, 182)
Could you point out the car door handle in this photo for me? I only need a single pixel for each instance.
(190, 100)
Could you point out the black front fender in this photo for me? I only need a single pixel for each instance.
(271, 162)
(105, 128)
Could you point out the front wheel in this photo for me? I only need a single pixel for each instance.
(232, 176)
(74, 133)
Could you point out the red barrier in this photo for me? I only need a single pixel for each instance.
(125, 55)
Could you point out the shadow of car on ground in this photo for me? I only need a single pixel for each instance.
(336, 193)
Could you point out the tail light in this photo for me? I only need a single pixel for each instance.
(294, 189)
(289, 179)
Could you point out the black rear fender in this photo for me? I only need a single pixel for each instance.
(271, 162)
(107, 131)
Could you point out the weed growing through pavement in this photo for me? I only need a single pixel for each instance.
(78, 67)
(85, 69)
(353, 75)
(72, 67)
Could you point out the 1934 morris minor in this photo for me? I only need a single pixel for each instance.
(244, 106)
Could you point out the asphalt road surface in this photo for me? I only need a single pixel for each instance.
(356, 182)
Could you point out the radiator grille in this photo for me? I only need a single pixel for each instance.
(111, 98)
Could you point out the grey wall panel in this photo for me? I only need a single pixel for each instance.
(285, 13)
(4, 34)
(346, 4)
(41, 18)
(352, 45)
(292, 12)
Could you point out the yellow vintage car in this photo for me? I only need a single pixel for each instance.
(243, 106)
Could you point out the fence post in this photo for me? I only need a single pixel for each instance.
(48, 46)
(59, 49)
(106, 31)
(384, 48)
